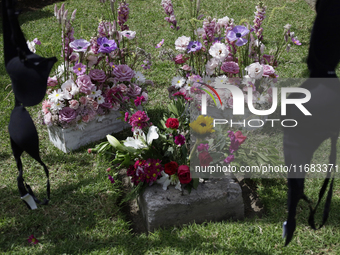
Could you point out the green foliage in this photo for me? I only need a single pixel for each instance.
(84, 215)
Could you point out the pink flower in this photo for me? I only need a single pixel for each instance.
(180, 59)
(83, 100)
(122, 87)
(97, 75)
(32, 239)
(230, 67)
(108, 169)
(67, 114)
(139, 120)
(139, 101)
(46, 105)
(89, 150)
(74, 104)
(123, 73)
(48, 119)
(134, 90)
(240, 137)
(179, 140)
(268, 71)
(186, 68)
(296, 41)
(86, 118)
(160, 44)
(111, 178)
(84, 83)
(126, 118)
(229, 159)
(36, 41)
(123, 15)
(203, 147)
(79, 69)
(52, 81)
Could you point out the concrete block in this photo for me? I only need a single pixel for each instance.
(215, 200)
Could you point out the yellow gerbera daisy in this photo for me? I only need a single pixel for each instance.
(202, 125)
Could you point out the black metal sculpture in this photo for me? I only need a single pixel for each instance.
(29, 73)
(301, 142)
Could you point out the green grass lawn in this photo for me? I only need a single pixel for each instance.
(84, 216)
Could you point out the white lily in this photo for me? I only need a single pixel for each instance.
(164, 180)
(139, 140)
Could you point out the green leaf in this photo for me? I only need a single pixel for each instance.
(262, 156)
(195, 182)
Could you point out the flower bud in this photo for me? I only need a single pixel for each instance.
(73, 16)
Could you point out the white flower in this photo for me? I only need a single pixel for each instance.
(262, 48)
(129, 34)
(164, 180)
(57, 105)
(188, 84)
(210, 66)
(207, 79)
(248, 81)
(224, 21)
(92, 60)
(139, 141)
(221, 80)
(255, 70)
(70, 88)
(95, 93)
(100, 99)
(182, 43)
(219, 51)
(61, 70)
(135, 143)
(31, 46)
(178, 186)
(48, 119)
(178, 81)
(140, 77)
(57, 95)
(200, 31)
(145, 95)
(258, 98)
(287, 26)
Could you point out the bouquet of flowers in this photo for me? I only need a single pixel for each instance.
(96, 76)
(222, 52)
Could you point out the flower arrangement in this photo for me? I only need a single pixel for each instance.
(168, 152)
(96, 76)
(218, 51)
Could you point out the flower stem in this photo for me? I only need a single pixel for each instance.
(198, 140)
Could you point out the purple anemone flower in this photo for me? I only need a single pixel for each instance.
(80, 45)
(160, 44)
(296, 41)
(106, 45)
(236, 34)
(194, 46)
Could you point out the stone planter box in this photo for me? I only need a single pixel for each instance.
(69, 139)
(227, 114)
(215, 200)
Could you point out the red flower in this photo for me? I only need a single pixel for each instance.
(205, 158)
(170, 168)
(240, 137)
(184, 174)
(172, 123)
(32, 240)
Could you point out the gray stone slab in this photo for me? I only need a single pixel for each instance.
(215, 200)
(69, 139)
